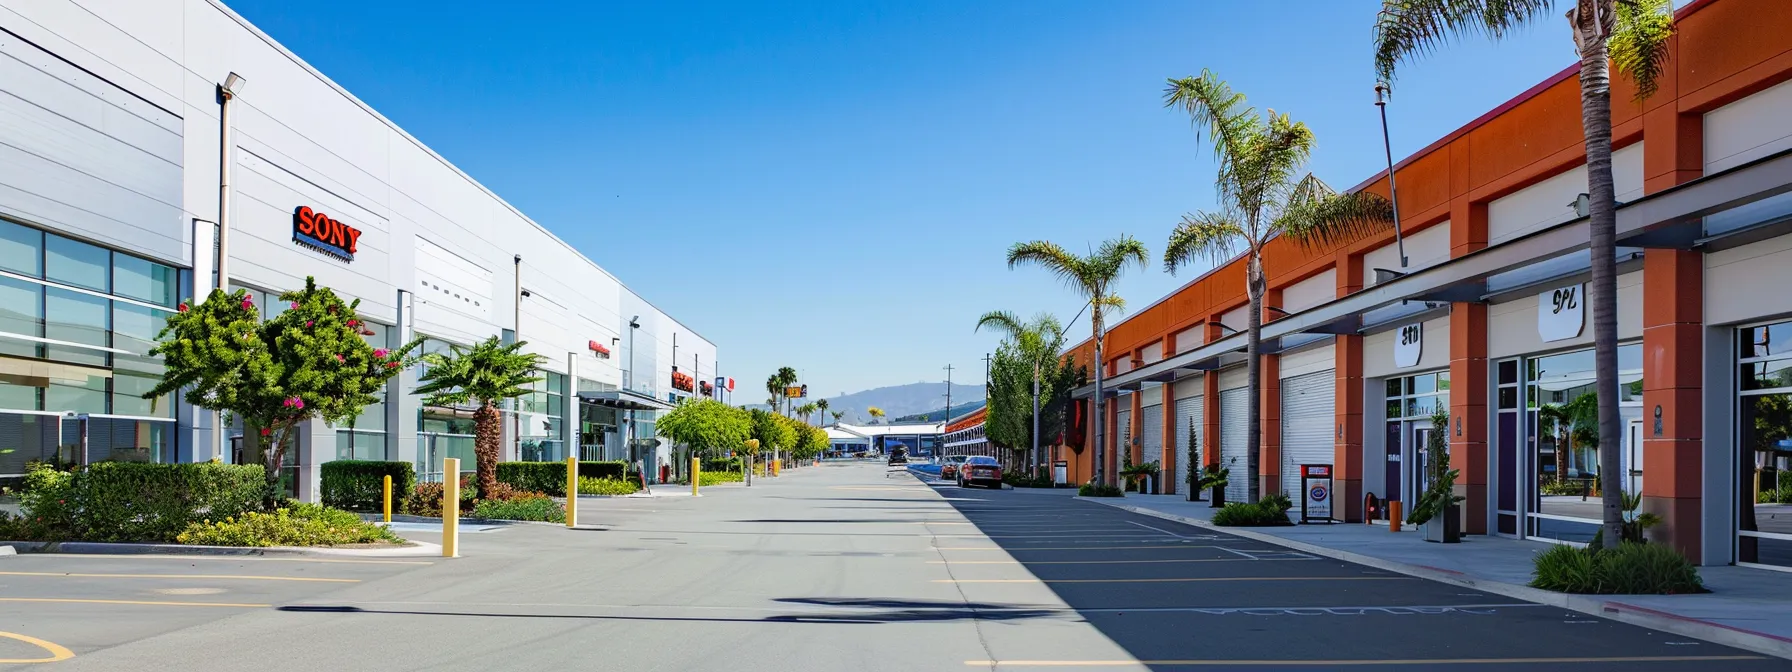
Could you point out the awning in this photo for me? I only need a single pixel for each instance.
(624, 400)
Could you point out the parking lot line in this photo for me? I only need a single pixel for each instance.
(1105, 562)
(242, 558)
(1075, 548)
(1339, 663)
(57, 651)
(1187, 580)
(155, 603)
(237, 577)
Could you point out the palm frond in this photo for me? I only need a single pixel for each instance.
(1215, 235)
(1210, 102)
(1319, 218)
(1001, 320)
(1111, 304)
(1405, 29)
(1052, 257)
(1639, 45)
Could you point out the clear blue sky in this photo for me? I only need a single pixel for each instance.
(833, 185)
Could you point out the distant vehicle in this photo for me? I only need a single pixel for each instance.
(980, 470)
(949, 466)
(898, 456)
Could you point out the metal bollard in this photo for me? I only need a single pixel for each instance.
(388, 498)
(451, 507)
(1394, 516)
(696, 475)
(572, 491)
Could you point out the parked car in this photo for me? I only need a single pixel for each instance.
(949, 466)
(980, 470)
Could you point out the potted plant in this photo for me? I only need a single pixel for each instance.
(1141, 476)
(1217, 480)
(1196, 472)
(1437, 511)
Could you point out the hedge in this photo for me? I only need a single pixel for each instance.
(550, 477)
(133, 501)
(358, 485)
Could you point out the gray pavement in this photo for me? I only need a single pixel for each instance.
(828, 568)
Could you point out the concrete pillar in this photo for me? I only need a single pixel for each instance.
(1468, 375)
(1210, 407)
(1169, 469)
(1347, 451)
(1269, 459)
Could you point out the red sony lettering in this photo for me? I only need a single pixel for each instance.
(354, 234)
(307, 221)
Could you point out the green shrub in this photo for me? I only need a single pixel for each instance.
(48, 505)
(606, 486)
(1784, 480)
(1098, 490)
(297, 524)
(18, 528)
(1271, 510)
(539, 508)
(1631, 568)
(426, 498)
(133, 501)
(550, 477)
(714, 464)
(708, 478)
(1019, 480)
(357, 485)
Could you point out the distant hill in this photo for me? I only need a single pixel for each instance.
(937, 414)
(902, 400)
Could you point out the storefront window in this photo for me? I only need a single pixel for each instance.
(77, 318)
(542, 412)
(144, 280)
(21, 313)
(72, 262)
(21, 249)
(1561, 422)
(1411, 402)
(1764, 534)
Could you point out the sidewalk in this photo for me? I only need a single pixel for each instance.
(1746, 608)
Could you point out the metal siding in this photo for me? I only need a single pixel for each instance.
(1153, 433)
(1123, 425)
(1307, 406)
(1188, 419)
(1233, 406)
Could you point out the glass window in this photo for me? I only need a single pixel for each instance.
(1765, 341)
(18, 397)
(1424, 384)
(1393, 386)
(135, 328)
(1443, 381)
(21, 249)
(76, 263)
(1508, 372)
(21, 312)
(144, 280)
(1508, 398)
(87, 396)
(77, 318)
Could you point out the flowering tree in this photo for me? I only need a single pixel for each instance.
(307, 363)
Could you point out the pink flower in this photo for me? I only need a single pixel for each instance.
(294, 402)
(308, 324)
(181, 308)
(265, 431)
(339, 357)
(351, 323)
(248, 305)
(295, 305)
(391, 365)
(381, 353)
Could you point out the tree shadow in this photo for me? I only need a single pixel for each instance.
(841, 611)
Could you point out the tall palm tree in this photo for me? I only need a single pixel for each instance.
(1039, 340)
(805, 411)
(1631, 34)
(1264, 193)
(822, 405)
(837, 416)
(487, 373)
(1092, 276)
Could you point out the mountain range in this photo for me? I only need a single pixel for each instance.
(897, 400)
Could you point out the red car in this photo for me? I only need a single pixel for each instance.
(949, 466)
(980, 470)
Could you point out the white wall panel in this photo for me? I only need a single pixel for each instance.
(1308, 359)
(1434, 350)
(1236, 318)
(1310, 292)
(1234, 377)
(1191, 338)
(1748, 129)
(1191, 386)
(1747, 283)
(1428, 247)
(1512, 326)
(1552, 201)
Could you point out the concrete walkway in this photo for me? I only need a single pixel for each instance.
(1746, 608)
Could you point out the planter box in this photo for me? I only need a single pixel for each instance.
(1445, 529)
(1219, 498)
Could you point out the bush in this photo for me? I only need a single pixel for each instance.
(606, 486)
(708, 478)
(550, 477)
(1630, 569)
(538, 508)
(356, 485)
(133, 501)
(426, 498)
(1270, 511)
(48, 504)
(1098, 490)
(1020, 480)
(297, 524)
(729, 464)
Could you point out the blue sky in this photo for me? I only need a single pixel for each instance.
(833, 185)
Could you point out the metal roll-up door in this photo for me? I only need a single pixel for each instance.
(1151, 428)
(1307, 404)
(1123, 435)
(1188, 426)
(1233, 428)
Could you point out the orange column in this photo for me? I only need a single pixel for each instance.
(1210, 408)
(1673, 338)
(1347, 452)
(1111, 420)
(1167, 471)
(1269, 460)
(1135, 441)
(1468, 375)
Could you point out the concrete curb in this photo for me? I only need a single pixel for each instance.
(102, 548)
(1595, 605)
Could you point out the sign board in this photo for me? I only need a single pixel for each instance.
(1316, 493)
(330, 236)
(1561, 312)
(1060, 472)
(1409, 344)
(796, 391)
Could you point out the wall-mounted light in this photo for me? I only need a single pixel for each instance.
(1583, 205)
(233, 85)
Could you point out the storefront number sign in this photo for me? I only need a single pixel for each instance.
(318, 231)
(1409, 343)
(1561, 312)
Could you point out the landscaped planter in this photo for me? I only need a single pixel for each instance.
(1447, 528)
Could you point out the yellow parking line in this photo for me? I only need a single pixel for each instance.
(1335, 663)
(239, 577)
(156, 603)
(1187, 580)
(57, 651)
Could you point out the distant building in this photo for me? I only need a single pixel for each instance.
(919, 439)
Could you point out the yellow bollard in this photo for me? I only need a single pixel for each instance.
(388, 497)
(451, 507)
(696, 475)
(777, 466)
(572, 492)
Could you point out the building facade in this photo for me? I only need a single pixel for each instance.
(1486, 319)
(110, 183)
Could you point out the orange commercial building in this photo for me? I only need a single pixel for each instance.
(1486, 319)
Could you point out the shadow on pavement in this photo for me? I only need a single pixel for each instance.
(866, 611)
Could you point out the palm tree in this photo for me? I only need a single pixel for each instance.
(837, 416)
(1264, 193)
(486, 373)
(1091, 276)
(822, 405)
(1039, 341)
(805, 411)
(1631, 34)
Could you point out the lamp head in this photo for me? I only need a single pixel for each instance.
(233, 85)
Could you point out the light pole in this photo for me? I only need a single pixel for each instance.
(232, 87)
(516, 335)
(634, 324)
(1381, 91)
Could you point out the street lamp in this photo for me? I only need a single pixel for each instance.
(231, 88)
(634, 324)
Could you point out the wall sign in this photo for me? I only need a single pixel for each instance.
(319, 232)
(1409, 343)
(1561, 312)
(598, 348)
(1316, 493)
(683, 381)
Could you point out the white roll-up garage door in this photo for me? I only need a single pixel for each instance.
(1188, 426)
(1151, 428)
(1123, 435)
(1307, 406)
(1233, 407)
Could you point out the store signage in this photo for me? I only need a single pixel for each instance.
(1561, 312)
(706, 389)
(683, 381)
(1316, 497)
(1409, 343)
(796, 391)
(320, 232)
(598, 348)
(730, 384)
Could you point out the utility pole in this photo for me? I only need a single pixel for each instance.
(947, 419)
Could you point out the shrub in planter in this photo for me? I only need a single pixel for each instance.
(550, 477)
(133, 501)
(537, 508)
(1270, 511)
(607, 486)
(1098, 490)
(357, 485)
(1631, 568)
(297, 524)
(426, 498)
(47, 504)
(708, 477)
